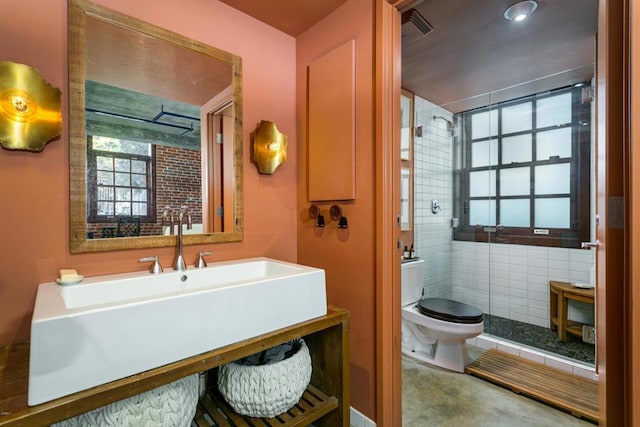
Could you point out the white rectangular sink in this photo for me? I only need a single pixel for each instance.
(109, 327)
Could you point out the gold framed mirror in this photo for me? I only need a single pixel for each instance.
(155, 122)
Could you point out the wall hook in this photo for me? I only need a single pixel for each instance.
(336, 214)
(314, 211)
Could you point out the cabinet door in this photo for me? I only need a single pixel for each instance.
(332, 125)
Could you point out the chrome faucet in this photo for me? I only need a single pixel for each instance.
(201, 263)
(156, 268)
(167, 216)
(184, 214)
(179, 264)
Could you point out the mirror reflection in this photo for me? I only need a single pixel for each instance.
(155, 124)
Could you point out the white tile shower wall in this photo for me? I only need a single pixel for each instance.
(433, 174)
(512, 281)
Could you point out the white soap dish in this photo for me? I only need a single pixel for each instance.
(583, 285)
(70, 282)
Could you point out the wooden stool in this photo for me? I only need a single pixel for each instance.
(559, 295)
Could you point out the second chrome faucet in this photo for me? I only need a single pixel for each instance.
(184, 216)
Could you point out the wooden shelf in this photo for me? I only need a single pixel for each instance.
(313, 405)
(327, 338)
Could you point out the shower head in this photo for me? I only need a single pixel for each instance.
(450, 125)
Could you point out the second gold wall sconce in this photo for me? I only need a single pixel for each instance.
(269, 147)
(30, 108)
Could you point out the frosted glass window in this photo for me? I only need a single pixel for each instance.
(515, 213)
(516, 118)
(515, 181)
(139, 209)
(482, 183)
(554, 110)
(484, 153)
(552, 213)
(105, 208)
(484, 125)
(516, 149)
(552, 179)
(482, 212)
(555, 142)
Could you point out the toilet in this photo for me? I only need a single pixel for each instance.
(434, 330)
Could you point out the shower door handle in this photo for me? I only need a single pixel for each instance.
(589, 245)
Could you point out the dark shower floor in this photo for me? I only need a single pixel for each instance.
(538, 337)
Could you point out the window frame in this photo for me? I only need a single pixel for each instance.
(579, 188)
(92, 185)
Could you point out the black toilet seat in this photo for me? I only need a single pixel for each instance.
(449, 311)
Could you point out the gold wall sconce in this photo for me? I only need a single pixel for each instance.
(269, 147)
(30, 108)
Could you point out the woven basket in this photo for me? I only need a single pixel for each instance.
(266, 390)
(170, 405)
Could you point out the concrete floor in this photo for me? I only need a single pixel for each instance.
(434, 397)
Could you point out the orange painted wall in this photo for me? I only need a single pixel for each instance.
(34, 187)
(348, 256)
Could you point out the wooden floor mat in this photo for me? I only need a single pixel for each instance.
(557, 388)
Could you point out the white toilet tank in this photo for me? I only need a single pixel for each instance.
(412, 276)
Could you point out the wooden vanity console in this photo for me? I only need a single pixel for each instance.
(325, 403)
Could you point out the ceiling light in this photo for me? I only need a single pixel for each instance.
(519, 11)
